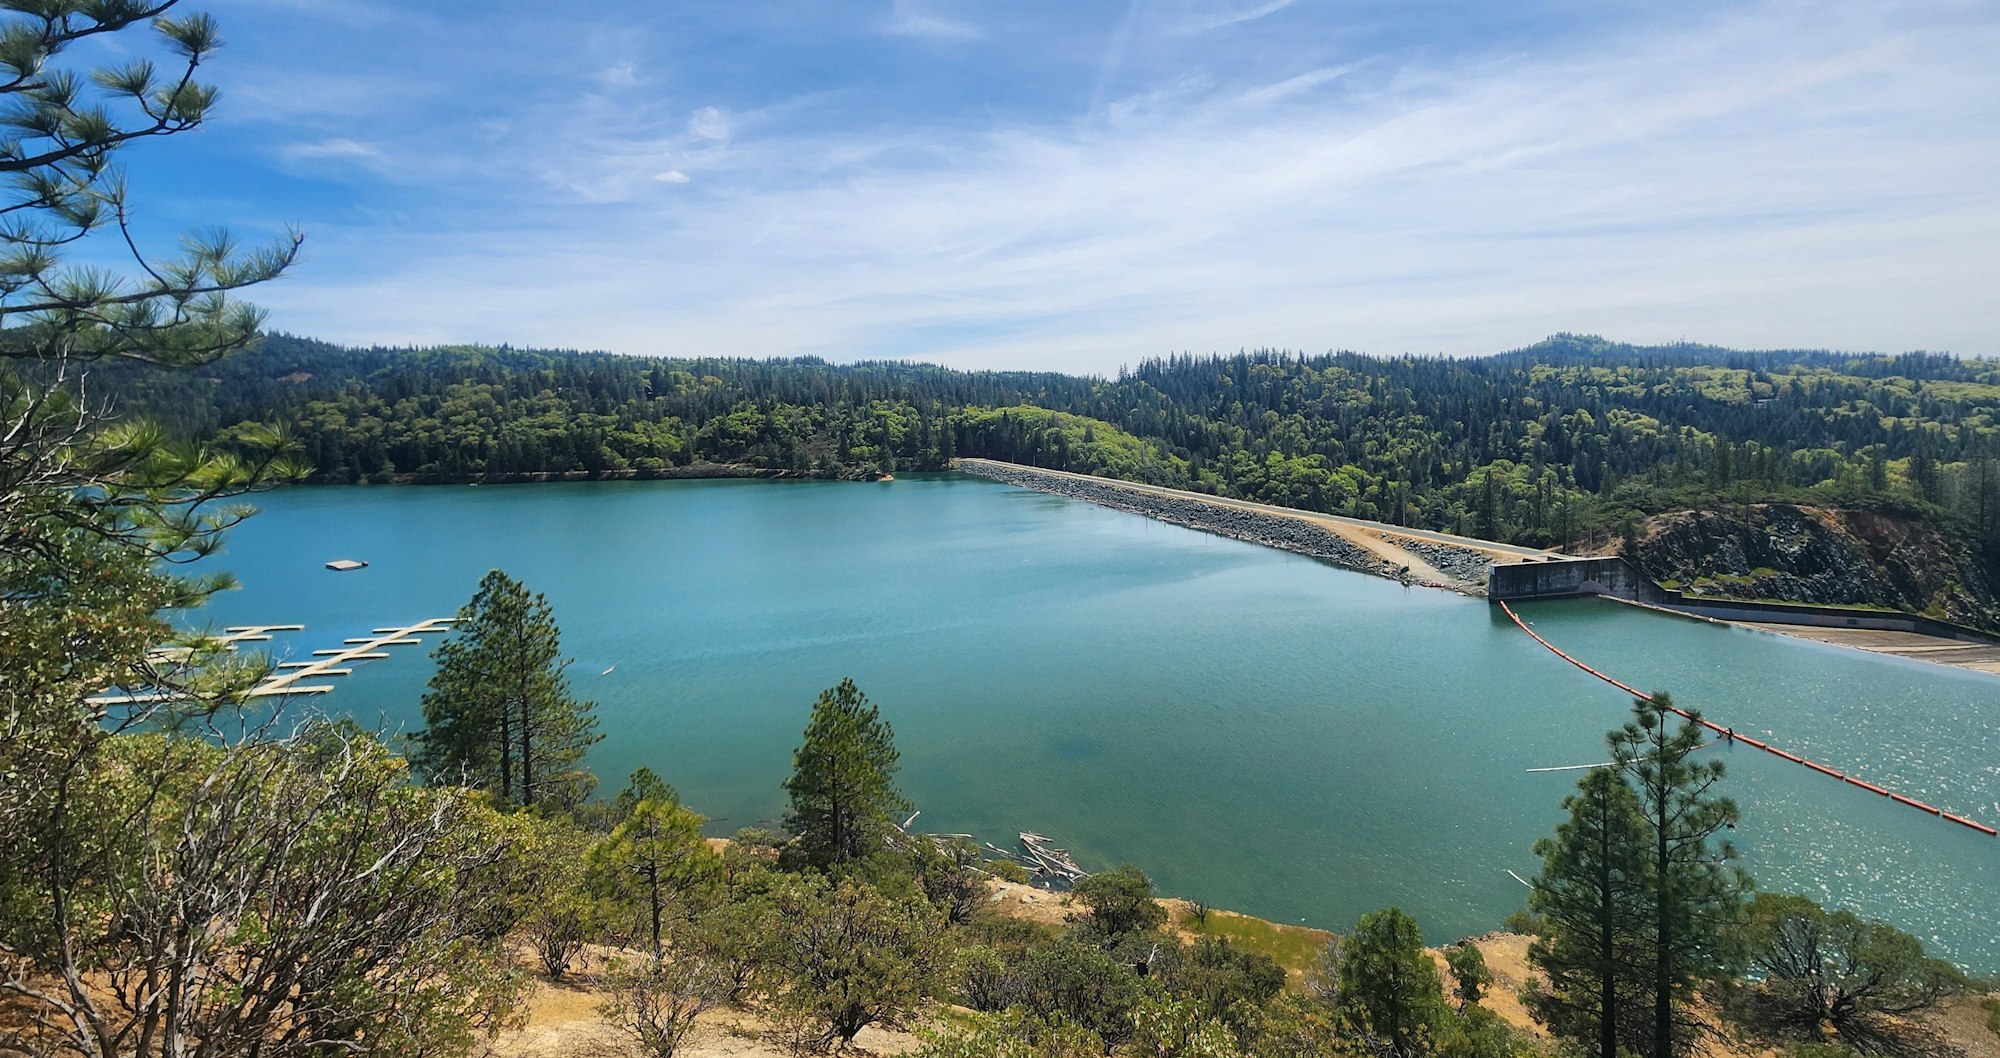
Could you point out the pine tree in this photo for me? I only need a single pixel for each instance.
(842, 785)
(499, 712)
(1389, 985)
(1469, 976)
(1591, 895)
(654, 858)
(1487, 524)
(1695, 897)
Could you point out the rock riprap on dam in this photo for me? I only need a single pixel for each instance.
(1436, 564)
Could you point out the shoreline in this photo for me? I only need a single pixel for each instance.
(1965, 656)
(1409, 560)
(691, 472)
(1425, 560)
(1362, 548)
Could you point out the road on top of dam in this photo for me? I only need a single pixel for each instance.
(1361, 531)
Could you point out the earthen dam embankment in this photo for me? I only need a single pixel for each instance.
(1413, 556)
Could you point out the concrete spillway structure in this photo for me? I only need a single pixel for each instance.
(1555, 577)
(1614, 577)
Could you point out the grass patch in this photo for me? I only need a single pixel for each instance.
(1293, 947)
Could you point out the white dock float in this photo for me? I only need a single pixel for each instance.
(285, 682)
(252, 634)
(334, 663)
(128, 699)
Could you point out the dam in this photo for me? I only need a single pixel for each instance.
(1502, 573)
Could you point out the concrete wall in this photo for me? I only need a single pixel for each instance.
(1616, 577)
(1784, 613)
(1515, 581)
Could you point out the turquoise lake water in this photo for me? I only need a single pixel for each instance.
(1257, 730)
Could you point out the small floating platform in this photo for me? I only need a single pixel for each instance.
(343, 565)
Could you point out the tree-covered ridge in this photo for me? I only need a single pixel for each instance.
(1574, 434)
(1565, 442)
(459, 412)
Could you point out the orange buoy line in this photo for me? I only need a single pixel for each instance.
(1748, 741)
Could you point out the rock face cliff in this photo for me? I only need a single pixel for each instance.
(1814, 555)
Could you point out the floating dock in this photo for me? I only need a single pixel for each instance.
(253, 633)
(285, 679)
(333, 662)
(1731, 734)
(343, 565)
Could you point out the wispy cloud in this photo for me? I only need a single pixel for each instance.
(912, 18)
(709, 123)
(619, 75)
(334, 147)
(1778, 175)
(1201, 15)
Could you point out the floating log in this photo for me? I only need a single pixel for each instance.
(1054, 862)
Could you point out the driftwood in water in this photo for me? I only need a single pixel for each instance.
(1052, 862)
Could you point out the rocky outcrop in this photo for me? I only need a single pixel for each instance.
(1813, 555)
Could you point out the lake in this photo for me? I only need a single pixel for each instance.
(1257, 730)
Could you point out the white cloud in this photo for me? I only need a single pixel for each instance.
(1778, 177)
(333, 147)
(619, 75)
(671, 176)
(1199, 15)
(1298, 85)
(909, 18)
(709, 123)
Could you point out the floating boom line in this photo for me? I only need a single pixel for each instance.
(1730, 733)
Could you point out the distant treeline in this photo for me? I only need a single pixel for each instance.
(1564, 442)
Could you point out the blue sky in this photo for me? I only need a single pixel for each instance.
(1081, 185)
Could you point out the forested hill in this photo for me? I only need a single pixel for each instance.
(1573, 441)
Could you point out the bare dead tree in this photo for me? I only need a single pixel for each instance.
(277, 897)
